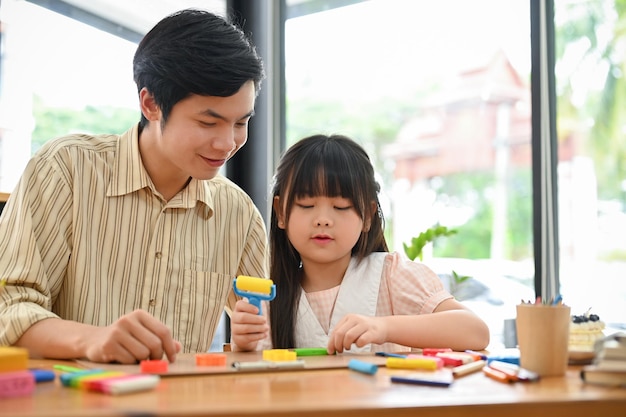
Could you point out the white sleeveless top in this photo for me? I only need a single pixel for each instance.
(358, 294)
(383, 284)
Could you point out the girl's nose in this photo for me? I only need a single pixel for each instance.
(323, 222)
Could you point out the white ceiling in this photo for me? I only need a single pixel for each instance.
(141, 15)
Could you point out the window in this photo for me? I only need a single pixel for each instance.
(439, 94)
(70, 77)
(591, 90)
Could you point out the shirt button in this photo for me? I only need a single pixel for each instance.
(158, 255)
(152, 302)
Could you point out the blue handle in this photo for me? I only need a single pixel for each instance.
(255, 301)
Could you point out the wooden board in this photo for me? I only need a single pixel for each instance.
(186, 364)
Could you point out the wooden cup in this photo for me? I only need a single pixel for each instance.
(542, 336)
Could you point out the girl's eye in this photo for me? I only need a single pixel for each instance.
(304, 206)
(343, 208)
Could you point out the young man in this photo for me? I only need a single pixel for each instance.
(124, 247)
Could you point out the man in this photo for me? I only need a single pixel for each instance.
(124, 247)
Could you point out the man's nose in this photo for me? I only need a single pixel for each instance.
(225, 140)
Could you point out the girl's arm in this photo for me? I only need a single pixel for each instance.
(424, 313)
(415, 310)
(451, 325)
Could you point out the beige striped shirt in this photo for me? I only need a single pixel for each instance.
(85, 236)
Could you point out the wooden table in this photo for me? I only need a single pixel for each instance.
(328, 392)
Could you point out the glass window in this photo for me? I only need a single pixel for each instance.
(591, 91)
(70, 77)
(439, 94)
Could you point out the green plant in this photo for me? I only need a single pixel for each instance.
(415, 250)
(429, 235)
(457, 280)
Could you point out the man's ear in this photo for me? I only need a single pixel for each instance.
(149, 108)
(278, 209)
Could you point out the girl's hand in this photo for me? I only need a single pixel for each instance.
(247, 326)
(359, 330)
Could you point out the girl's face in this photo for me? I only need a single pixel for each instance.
(322, 229)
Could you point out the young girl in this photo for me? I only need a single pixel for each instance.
(337, 285)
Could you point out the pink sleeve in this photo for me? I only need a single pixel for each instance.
(410, 287)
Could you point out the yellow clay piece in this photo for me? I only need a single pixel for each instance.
(13, 359)
(279, 355)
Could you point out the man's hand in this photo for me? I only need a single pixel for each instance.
(133, 337)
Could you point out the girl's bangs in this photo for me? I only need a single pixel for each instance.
(327, 174)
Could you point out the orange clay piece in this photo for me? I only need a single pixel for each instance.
(279, 355)
(210, 359)
(155, 366)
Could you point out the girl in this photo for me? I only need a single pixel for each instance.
(336, 283)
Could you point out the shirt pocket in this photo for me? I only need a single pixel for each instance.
(199, 304)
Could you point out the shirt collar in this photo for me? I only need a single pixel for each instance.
(129, 175)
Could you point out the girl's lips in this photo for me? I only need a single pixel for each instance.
(322, 238)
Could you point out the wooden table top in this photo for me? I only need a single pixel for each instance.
(326, 392)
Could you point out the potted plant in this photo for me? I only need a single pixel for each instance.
(415, 250)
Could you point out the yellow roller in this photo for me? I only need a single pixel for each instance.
(254, 289)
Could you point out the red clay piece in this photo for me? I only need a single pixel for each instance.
(155, 366)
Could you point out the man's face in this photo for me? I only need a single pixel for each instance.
(203, 132)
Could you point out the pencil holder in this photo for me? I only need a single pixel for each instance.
(542, 336)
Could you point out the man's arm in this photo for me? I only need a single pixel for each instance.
(133, 337)
(35, 248)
